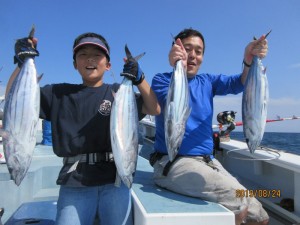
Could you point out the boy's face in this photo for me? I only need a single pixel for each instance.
(91, 63)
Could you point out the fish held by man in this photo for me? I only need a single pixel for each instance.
(20, 120)
(177, 110)
(254, 104)
(124, 130)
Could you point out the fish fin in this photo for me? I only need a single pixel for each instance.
(3, 133)
(118, 180)
(113, 76)
(187, 113)
(127, 52)
(2, 105)
(113, 93)
(129, 55)
(173, 37)
(268, 33)
(40, 77)
(171, 109)
(263, 37)
(32, 31)
(139, 56)
(264, 70)
(73, 167)
(127, 181)
(170, 114)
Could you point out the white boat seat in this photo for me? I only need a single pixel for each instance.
(153, 205)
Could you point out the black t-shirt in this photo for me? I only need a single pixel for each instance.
(80, 121)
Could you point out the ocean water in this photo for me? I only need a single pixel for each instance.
(288, 142)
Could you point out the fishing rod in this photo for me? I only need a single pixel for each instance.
(240, 123)
(226, 119)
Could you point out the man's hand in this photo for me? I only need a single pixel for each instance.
(178, 52)
(256, 48)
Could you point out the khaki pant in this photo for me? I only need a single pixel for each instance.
(192, 176)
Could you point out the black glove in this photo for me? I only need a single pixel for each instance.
(133, 71)
(24, 49)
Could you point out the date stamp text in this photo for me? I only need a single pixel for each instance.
(258, 193)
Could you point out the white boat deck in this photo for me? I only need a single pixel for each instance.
(153, 205)
(272, 180)
(39, 183)
(156, 206)
(40, 212)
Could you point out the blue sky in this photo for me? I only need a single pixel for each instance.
(146, 26)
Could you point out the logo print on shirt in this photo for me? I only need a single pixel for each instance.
(105, 108)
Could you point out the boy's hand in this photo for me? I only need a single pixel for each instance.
(133, 71)
(25, 47)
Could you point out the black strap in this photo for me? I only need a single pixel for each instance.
(1, 212)
(207, 158)
(209, 162)
(168, 166)
(90, 158)
(154, 157)
(157, 156)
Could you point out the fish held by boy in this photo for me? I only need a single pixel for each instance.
(124, 130)
(20, 119)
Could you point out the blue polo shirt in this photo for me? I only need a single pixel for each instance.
(197, 139)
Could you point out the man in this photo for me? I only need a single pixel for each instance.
(195, 172)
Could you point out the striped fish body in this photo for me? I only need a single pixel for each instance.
(177, 110)
(20, 119)
(254, 104)
(124, 131)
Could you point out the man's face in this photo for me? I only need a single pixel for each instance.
(194, 48)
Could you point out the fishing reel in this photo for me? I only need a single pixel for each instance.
(226, 118)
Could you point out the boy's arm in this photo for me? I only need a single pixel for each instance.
(11, 80)
(151, 105)
(133, 72)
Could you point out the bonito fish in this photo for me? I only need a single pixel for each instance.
(254, 104)
(20, 119)
(177, 110)
(124, 130)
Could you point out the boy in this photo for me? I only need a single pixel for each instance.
(80, 119)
